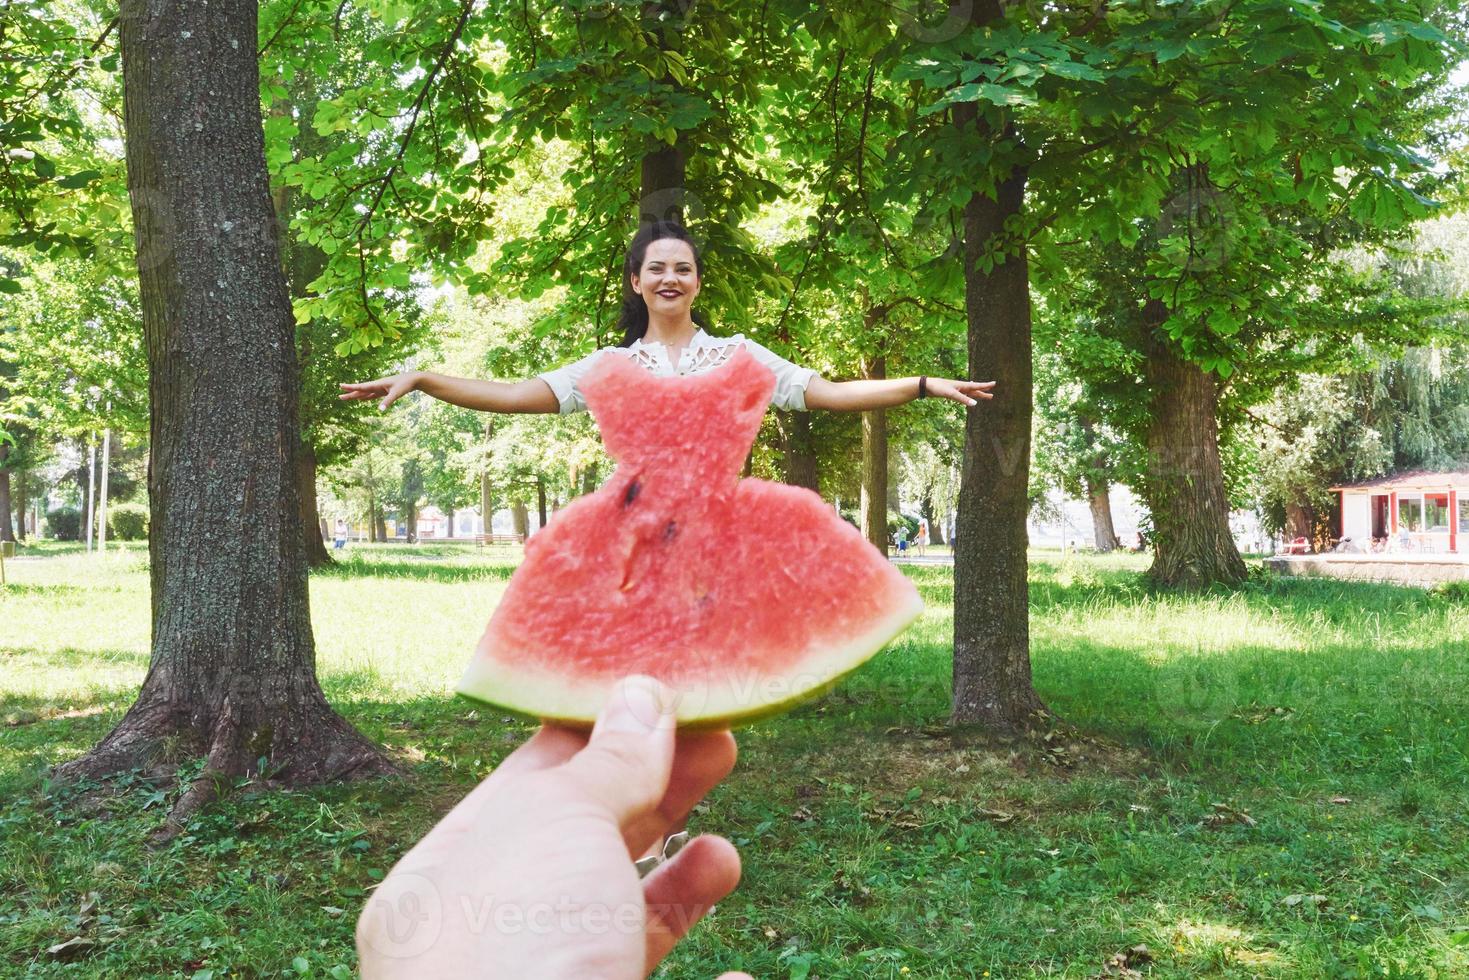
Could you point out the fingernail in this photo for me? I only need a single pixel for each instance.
(638, 706)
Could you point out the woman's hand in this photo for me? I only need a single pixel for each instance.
(389, 389)
(532, 874)
(963, 392)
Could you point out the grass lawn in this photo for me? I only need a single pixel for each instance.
(1271, 782)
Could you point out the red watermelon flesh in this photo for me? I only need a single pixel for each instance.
(745, 596)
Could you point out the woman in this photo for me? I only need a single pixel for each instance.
(663, 333)
(663, 274)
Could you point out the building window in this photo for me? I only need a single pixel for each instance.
(1410, 514)
(1436, 512)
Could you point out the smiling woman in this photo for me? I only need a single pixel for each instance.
(662, 275)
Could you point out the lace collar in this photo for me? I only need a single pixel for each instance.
(702, 353)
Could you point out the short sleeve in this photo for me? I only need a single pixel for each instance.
(565, 382)
(790, 379)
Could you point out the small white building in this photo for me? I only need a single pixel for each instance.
(1417, 511)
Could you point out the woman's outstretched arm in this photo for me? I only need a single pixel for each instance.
(866, 395)
(530, 396)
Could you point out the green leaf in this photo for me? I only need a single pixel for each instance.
(9, 286)
(79, 179)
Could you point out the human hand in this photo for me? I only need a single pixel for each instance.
(531, 874)
(963, 392)
(389, 389)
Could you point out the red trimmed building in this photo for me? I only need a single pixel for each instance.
(1418, 511)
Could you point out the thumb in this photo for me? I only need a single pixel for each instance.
(626, 764)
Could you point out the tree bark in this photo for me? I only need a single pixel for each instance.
(541, 502)
(450, 533)
(1300, 521)
(486, 504)
(7, 530)
(22, 502)
(316, 554)
(1184, 483)
(521, 517)
(874, 503)
(232, 670)
(1104, 533)
(992, 677)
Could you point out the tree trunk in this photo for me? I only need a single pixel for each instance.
(800, 452)
(379, 522)
(22, 502)
(486, 504)
(521, 518)
(1299, 521)
(7, 531)
(1184, 482)
(450, 533)
(232, 668)
(1103, 531)
(926, 509)
(541, 502)
(874, 503)
(316, 554)
(992, 678)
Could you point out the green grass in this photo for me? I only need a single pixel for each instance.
(1223, 759)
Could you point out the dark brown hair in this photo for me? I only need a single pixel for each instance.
(634, 320)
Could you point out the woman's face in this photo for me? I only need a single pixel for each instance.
(668, 280)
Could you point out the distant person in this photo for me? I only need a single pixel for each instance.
(922, 540)
(339, 536)
(901, 537)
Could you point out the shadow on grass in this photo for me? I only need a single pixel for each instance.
(38, 589)
(420, 569)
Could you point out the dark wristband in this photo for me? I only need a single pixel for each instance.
(923, 387)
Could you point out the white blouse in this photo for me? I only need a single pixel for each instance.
(703, 353)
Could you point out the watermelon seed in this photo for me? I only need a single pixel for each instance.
(669, 530)
(632, 493)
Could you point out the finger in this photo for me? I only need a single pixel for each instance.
(680, 892)
(960, 397)
(626, 765)
(700, 761)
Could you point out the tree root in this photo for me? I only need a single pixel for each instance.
(303, 747)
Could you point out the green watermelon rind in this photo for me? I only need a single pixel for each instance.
(869, 645)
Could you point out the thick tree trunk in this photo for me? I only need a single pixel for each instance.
(1104, 533)
(521, 518)
(7, 530)
(541, 502)
(992, 678)
(874, 503)
(1184, 483)
(450, 532)
(379, 522)
(232, 671)
(800, 452)
(1300, 521)
(316, 554)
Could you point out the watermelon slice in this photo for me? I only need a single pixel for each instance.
(745, 596)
